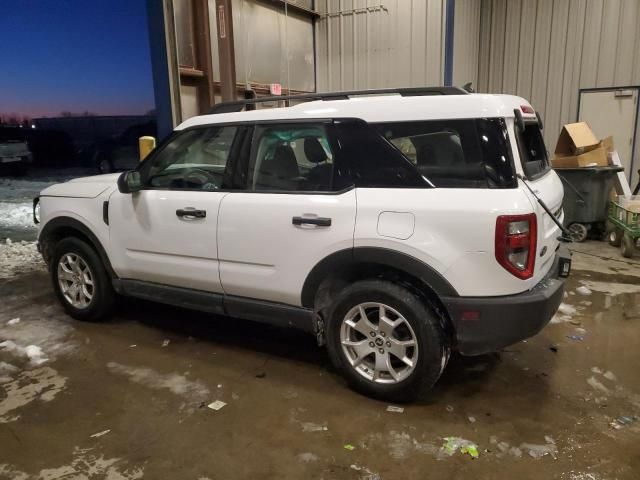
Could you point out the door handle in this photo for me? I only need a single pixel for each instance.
(189, 213)
(318, 221)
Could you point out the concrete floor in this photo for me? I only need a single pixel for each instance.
(127, 399)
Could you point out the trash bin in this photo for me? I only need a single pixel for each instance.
(586, 194)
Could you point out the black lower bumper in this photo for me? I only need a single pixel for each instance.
(487, 324)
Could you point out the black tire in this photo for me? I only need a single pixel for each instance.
(103, 295)
(627, 246)
(615, 237)
(433, 346)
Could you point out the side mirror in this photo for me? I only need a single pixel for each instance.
(145, 146)
(129, 182)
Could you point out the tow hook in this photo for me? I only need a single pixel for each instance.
(318, 325)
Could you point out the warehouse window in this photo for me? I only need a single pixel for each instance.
(470, 153)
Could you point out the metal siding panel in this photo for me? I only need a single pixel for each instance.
(417, 48)
(591, 44)
(541, 53)
(526, 47)
(573, 54)
(627, 33)
(635, 79)
(496, 65)
(608, 43)
(348, 54)
(466, 33)
(557, 60)
(511, 46)
(434, 47)
(484, 45)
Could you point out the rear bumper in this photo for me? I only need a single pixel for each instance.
(487, 324)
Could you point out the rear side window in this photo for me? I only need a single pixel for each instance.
(533, 153)
(371, 161)
(469, 153)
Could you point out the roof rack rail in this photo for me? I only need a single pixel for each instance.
(238, 105)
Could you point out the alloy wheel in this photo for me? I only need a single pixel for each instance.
(75, 280)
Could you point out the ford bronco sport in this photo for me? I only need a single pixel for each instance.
(394, 225)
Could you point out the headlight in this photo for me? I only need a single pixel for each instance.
(36, 210)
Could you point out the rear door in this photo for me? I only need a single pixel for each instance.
(531, 150)
(290, 215)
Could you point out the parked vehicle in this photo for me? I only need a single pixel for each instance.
(121, 152)
(394, 228)
(15, 155)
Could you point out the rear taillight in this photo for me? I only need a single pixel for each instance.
(516, 244)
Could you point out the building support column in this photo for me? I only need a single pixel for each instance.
(226, 50)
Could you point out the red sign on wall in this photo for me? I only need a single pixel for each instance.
(275, 89)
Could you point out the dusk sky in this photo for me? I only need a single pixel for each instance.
(74, 55)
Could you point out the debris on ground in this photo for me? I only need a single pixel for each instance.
(395, 409)
(623, 421)
(313, 427)
(582, 290)
(453, 444)
(538, 451)
(609, 375)
(349, 447)
(449, 408)
(217, 405)
(99, 434)
(472, 419)
(133, 345)
(553, 348)
(575, 338)
(261, 375)
(13, 321)
(166, 342)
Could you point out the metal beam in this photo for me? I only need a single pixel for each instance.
(226, 50)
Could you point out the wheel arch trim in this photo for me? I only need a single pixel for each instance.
(349, 258)
(57, 224)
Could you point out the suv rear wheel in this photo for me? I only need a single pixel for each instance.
(81, 281)
(385, 341)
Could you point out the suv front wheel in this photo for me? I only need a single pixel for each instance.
(386, 341)
(81, 281)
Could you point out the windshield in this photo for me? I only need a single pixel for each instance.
(533, 153)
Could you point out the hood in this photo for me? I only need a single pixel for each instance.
(83, 187)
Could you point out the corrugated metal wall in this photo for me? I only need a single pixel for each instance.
(369, 47)
(546, 50)
(466, 32)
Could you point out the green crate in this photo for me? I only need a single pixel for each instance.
(624, 218)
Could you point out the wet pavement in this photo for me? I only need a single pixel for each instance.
(128, 398)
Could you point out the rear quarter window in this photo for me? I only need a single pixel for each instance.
(468, 153)
(532, 150)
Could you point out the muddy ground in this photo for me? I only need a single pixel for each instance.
(128, 399)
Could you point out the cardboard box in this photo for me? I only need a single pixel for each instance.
(578, 147)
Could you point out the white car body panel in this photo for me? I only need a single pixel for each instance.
(264, 256)
(83, 187)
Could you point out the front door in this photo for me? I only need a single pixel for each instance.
(293, 212)
(166, 233)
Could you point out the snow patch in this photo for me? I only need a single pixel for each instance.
(566, 309)
(19, 258)
(41, 384)
(175, 383)
(582, 290)
(612, 288)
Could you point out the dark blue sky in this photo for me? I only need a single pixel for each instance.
(74, 55)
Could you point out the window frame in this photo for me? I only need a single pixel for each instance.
(145, 165)
(244, 160)
(520, 147)
(504, 130)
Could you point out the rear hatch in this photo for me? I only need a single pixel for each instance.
(545, 184)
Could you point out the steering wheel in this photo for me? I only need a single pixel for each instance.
(201, 178)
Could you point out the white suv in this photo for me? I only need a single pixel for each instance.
(393, 225)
